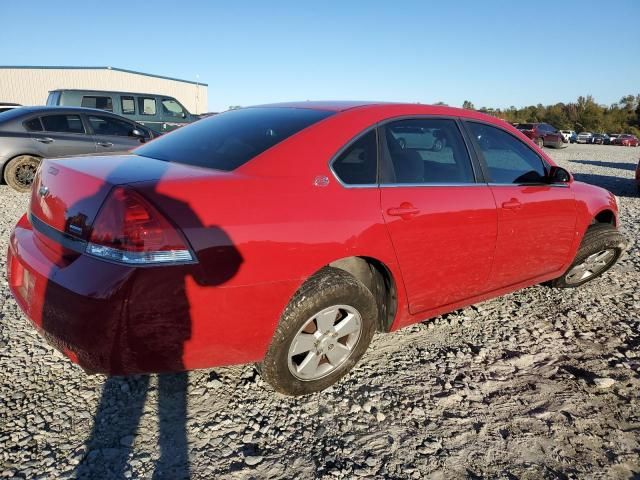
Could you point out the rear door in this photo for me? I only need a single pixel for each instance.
(442, 219)
(536, 220)
(112, 134)
(149, 113)
(63, 135)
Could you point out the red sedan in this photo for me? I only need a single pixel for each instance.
(627, 140)
(288, 234)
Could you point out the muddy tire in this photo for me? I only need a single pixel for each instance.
(324, 330)
(600, 249)
(19, 172)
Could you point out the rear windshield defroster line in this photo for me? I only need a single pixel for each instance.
(229, 140)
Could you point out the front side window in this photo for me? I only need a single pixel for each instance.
(110, 126)
(103, 103)
(63, 123)
(508, 159)
(425, 151)
(33, 125)
(147, 105)
(128, 105)
(357, 165)
(172, 108)
(229, 140)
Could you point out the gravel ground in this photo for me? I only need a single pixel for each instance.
(541, 383)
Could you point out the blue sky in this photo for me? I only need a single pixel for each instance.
(494, 53)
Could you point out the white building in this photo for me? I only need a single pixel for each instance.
(31, 85)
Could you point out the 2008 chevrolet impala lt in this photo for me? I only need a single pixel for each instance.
(288, 234)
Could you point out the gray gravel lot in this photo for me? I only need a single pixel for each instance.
(541, 383)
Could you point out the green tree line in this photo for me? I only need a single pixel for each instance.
(583, 115)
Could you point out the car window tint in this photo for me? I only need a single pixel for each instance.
(172, 108)
(33, 125)
(231, 139)
(110, 126)
(128, 105)
(63, 123)
(508, 159)
(147, 105)
(103, 103)
(357, 165)
(425, 151)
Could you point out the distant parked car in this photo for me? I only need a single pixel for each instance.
(29, 134)
(569, 135)
(584, 137)
(612, 138)
(627, 140)
(160, 113)
(543, 134)
(8, 106)
(599, 138)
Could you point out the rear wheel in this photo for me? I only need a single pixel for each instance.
(601, 247)
(323, 332)
(19, 172)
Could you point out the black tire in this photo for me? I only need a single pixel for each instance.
(19, 172)
(598, 238)
(329, 287)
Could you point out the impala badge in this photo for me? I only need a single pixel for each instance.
(43, 191)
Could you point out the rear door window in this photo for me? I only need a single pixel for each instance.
(33, 125)
(147, 105)
(102, 103)
(425, 151)
(508, 159)
(229, 140)
(63, 123)
(128, 105)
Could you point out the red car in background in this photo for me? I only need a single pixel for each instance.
(288, 234)
(543, 134)
(626, 140)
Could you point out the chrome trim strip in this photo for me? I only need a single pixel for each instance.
(412, 185)
(561, 185)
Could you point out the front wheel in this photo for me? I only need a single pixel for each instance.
(20, 171)
(323, 332)
(600, 249)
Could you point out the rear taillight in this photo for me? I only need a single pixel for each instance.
(129, 229)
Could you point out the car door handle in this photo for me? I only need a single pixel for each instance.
(405, 210)
(512, 204)
(105, 144)
(44, 140)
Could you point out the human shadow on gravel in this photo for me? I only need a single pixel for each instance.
(620, 186)
(121, 320)
(599, 163)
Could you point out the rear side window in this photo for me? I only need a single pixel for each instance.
(508, 159)
(147, 105)
(358, 164)
(103, 103)
(128, 105)
(63, 123)
(110, 126)
(229, 140)
(33, 125)
(425, 151)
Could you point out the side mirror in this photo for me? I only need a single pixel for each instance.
(139, 134)
(559, 175)
(183, 115)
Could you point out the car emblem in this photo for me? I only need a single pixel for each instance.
(43, 191)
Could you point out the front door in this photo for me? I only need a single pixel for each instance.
(443, 225)
(536, 220)
(112, 134)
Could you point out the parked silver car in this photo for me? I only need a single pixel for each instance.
(29, 134)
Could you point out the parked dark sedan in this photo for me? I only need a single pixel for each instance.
(29, 134)
(600, 139)
(543, 134)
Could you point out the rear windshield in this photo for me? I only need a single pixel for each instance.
(231, 139)
(525, 126)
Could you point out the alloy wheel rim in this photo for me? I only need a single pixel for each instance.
(324, 342)
(25, 173)
(590, 266)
